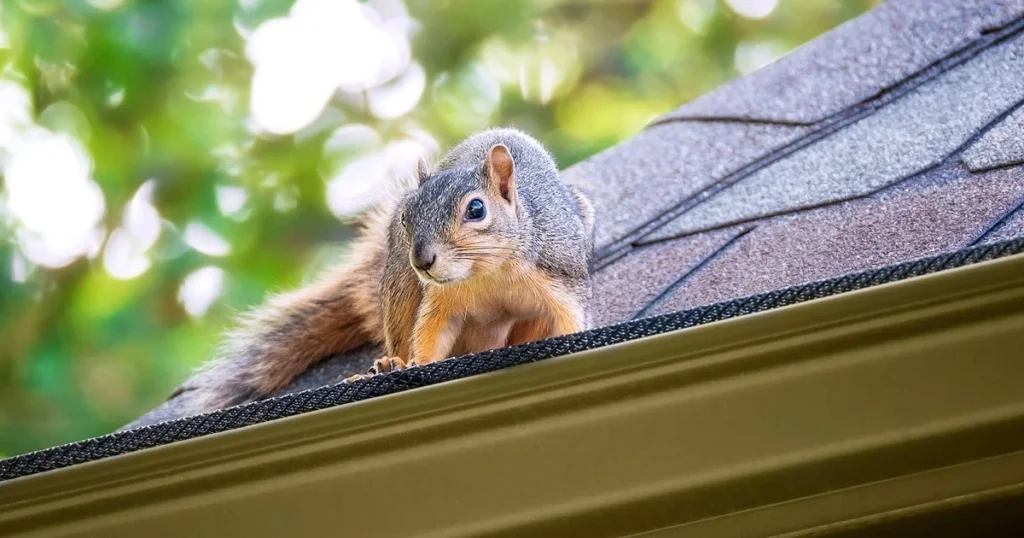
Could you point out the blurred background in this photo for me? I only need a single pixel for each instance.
(166, 163)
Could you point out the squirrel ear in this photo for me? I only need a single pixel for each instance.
(500, 170)
(421, 171)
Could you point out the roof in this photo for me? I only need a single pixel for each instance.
(890, 139)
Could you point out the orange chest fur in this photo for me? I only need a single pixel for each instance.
(514, 292)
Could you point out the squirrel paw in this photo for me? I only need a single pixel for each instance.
(380, 366)
(386, 364)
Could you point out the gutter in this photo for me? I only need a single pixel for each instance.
(890, 405)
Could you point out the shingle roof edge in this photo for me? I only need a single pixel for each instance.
(329, 396)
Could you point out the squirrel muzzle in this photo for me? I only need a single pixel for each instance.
(423, 257)
(436, 263)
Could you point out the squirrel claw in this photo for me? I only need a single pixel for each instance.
(380, 366)
(386, 364)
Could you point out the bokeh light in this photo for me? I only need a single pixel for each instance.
(751, 56)
(697, 14)
(321, 47)
(200, 289)
(15, 111)
(361, 180)
(205, 240)
(231, 201)
(126, 254)
(50, 191)
(752, 9)
(400, 97)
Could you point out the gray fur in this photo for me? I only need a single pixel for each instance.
(555, 225)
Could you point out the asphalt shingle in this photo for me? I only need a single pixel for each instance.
(938, 212)
(855, 61)
(908, 135)
(1002, 146)
(1011, 227)
(641, 178)
(624, 287)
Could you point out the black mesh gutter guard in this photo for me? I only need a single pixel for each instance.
(329, 396)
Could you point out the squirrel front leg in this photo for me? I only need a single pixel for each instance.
(566, 314)
(400, 298)
(530, 330)
(436, 329)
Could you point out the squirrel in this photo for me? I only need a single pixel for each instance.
(489, 249)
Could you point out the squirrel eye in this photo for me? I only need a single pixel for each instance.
(475, 210)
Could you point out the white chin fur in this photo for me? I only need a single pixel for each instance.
(443, 275)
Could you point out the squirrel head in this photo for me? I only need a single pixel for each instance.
(463, 222)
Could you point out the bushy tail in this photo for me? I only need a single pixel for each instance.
(281, 339)
(278, 341)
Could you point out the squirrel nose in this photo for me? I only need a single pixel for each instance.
(423, 258)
